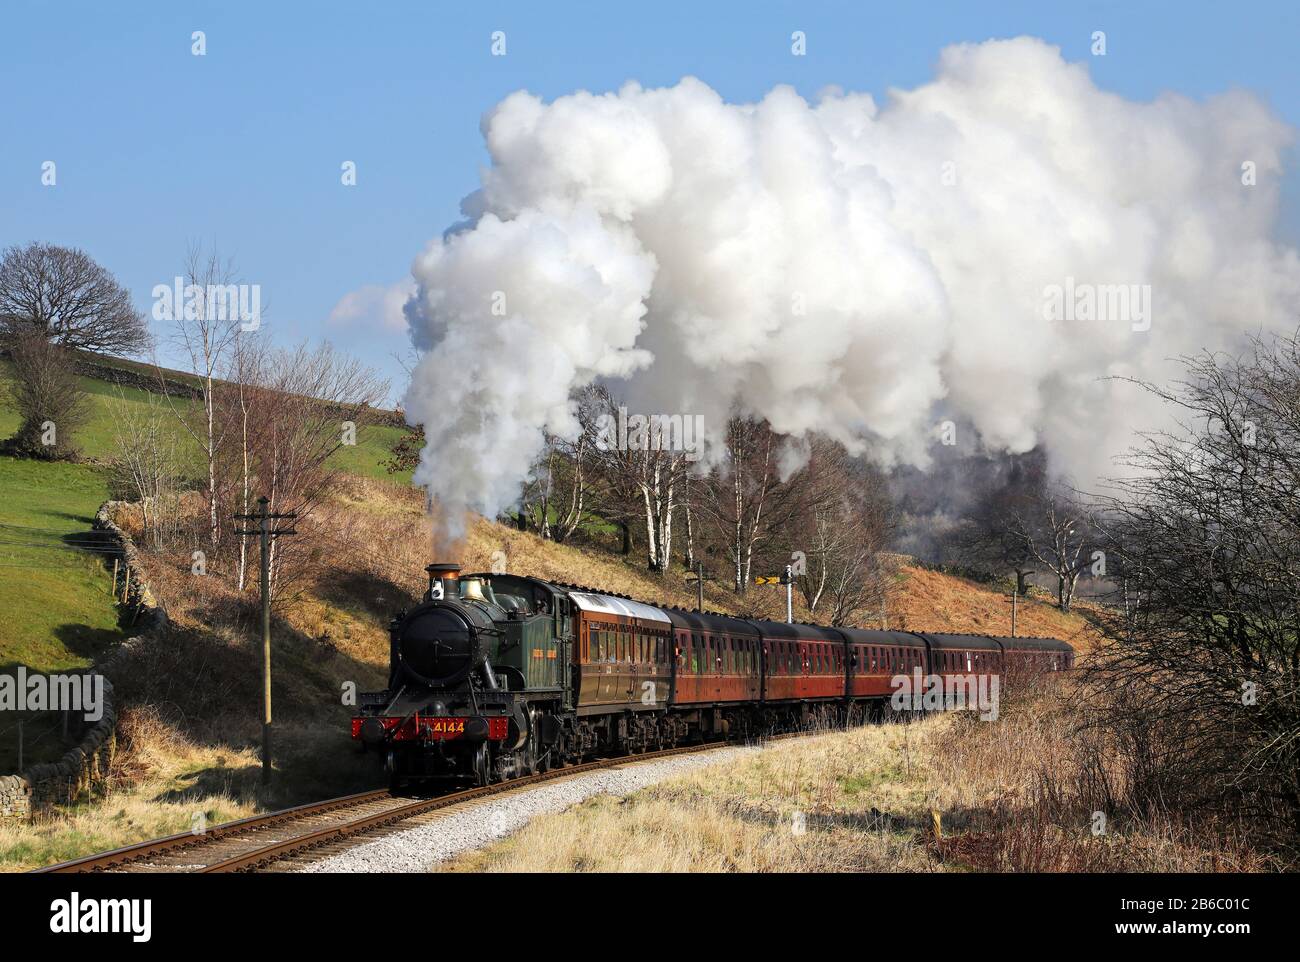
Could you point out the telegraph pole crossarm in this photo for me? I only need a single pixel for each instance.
(265, 533)
(699, 577)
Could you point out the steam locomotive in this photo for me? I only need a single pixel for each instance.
(493, 676)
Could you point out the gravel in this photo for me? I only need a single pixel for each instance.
(420, 848)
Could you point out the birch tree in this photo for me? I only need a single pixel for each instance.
(746, 500)
(204, 334)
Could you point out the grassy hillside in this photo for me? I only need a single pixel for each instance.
(58, 610)
(95, 438)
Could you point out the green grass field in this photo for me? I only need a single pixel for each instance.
(57, 612)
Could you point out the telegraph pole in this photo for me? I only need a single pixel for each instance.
(265, 532)
(699, 580)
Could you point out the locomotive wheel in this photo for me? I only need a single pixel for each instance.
(482, 766)
(394, 764)
(528, 754)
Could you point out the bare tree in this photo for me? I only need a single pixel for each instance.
(205, 333)
(311, 403)
(747, 500)
(554, 499)
(48, 395)
(998, 534)
(1206, 533)
(147, 462)
(1058, 534)
(61, 294)
(649, 470)
(844, 527)
(245, 374)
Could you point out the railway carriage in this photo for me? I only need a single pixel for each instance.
(952, 655)
(1036, 654)
(807, 663)
(495, 675)
(716, 660)
(877, 657)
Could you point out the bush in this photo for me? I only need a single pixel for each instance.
(49, 398)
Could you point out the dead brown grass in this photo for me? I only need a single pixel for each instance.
(926, 600)
(946, 793)
(843, 802)
(1039, 792)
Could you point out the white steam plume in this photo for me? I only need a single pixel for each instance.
(842, 268)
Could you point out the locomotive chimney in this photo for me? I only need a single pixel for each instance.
(447, 576)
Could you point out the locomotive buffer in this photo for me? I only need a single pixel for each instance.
(266, 533)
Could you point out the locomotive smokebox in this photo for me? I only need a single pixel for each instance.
(444, 579)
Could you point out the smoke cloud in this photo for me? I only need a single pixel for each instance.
(841, 267)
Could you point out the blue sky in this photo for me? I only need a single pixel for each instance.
(157, 148)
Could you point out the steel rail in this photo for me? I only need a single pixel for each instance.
(172, 843)
(263, 855)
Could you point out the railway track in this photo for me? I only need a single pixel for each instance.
(262, 842)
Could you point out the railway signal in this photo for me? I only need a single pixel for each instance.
(786, 579)
(266, 533)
